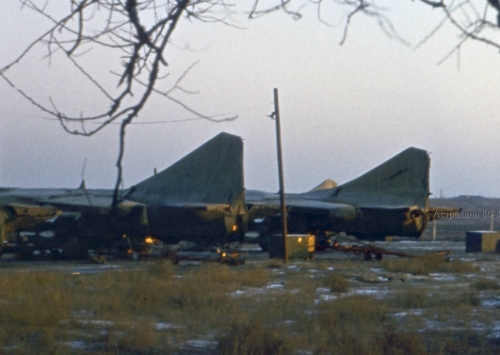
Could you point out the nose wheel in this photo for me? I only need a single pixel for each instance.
(369, 256)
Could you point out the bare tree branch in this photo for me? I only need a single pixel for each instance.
(140, 31)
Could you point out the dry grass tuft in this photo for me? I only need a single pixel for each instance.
(402, 343)
(459, 267)
(420, 298)
(139, 337)
(162, 269)
(335, 282)
(360, 325)
(462, 342)
(253, 339)
(255, 277)
(426, 264)
(354, 310)
(486, 284)
(322, 265)
(274, 263)
(412, 298)
(33, 299)
(468, 299)
(156, 308)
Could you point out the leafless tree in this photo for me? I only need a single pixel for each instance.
(141, 31)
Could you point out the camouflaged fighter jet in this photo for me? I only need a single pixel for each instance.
(200, 198)
(391, 199)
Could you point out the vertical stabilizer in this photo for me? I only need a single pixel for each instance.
(400, 181)
(211, 174)
(83, 185)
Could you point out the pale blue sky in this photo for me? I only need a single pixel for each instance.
(345, 109)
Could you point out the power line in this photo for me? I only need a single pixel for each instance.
(7, 114)
(133, 123)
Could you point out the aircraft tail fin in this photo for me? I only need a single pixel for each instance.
(83, 185)
(211, 174)
(400, 181)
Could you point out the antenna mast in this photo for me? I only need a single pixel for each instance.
(284, 230)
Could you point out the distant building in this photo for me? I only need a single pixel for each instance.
(470, 196)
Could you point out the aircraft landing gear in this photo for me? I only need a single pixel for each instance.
(369, 255)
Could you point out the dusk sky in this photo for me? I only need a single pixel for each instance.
(344, 108)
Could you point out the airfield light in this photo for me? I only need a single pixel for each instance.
(149, 240)
(223, 254)
(235, 228)
(299, 239)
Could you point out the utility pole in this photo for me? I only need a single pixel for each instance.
(284, 230)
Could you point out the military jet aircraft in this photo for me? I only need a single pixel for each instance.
(391, 199)
(200, 198)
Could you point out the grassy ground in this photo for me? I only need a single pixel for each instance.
(397, 306)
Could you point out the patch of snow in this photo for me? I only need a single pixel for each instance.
(253, 290)
(490, 303)
(94, 269)
(323, 290)
(82, 313)
(377, 293)
(75, 344)
(103, 323)
(416, 277)
(495, 332)
(237, 293)
(315, 271)
(166, 326)
(400, 314)
(326, 297)
(201, 344)
(475, 326)
(443, 277)
(274, 286)
(413, 312)
(304, 352)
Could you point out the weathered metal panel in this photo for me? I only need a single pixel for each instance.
(481, 241)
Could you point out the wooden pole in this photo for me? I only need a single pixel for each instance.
(284, 229)
(434, 230)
